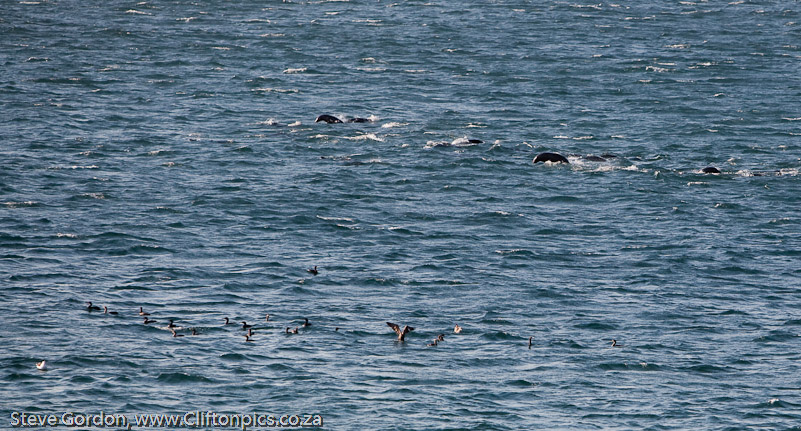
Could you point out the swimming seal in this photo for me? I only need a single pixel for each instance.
(710, 170)
(550, 157)
(330, 119)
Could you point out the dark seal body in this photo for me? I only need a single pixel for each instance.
(330, 119)
(550, 157)
(710, 170)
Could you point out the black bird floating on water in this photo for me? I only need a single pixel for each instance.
(313, 271)
(91, 307)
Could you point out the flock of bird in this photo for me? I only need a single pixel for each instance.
(401, 332)
(245, 326)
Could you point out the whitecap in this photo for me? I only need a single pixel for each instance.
(365, 137)
(512, 251)
(393, 124)
(276, 90)
(339, 219)
(434, 144)
(296, 70)
(12, 204)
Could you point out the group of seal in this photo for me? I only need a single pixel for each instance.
(540, 158)
(558, 158)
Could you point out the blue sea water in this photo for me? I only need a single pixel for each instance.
(164, 154)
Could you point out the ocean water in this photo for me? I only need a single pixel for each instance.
(164, 154)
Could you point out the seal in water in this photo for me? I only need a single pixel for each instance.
(330, 119)
(550, 157)
(710, 170)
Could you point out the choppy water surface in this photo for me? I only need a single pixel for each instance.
(165, 155)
